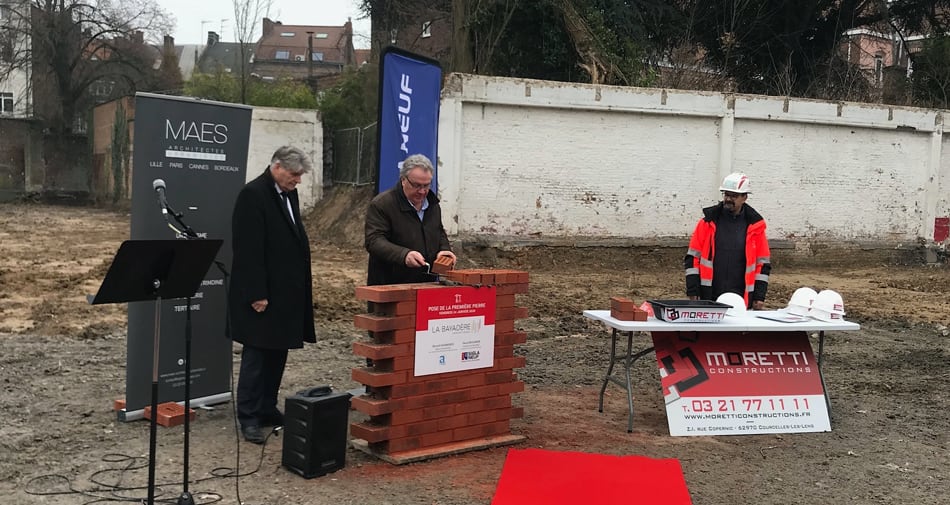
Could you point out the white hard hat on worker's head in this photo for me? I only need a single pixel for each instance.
(801, 300)
(738, 304)
(736, 183)
(828, 306)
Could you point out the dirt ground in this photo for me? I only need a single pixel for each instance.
(63, 363)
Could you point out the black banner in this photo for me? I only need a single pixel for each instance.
(198, 150)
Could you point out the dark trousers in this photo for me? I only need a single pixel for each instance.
(258, 384)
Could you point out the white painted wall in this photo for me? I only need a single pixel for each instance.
(523, 161)
(272, 128)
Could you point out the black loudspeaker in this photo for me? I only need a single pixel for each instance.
(315, 428)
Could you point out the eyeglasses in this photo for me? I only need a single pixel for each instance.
(731, 195)
(418, 186)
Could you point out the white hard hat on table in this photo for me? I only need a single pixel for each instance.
(801, 300)
(828, 306)
(738, 304)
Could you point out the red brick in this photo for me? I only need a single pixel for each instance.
(422, 427)
(118, 404)
(453, 422)
(504, 301)
(437, 438)
(510, 313)
(403, 336)
(381, 351)
(434, 399)
(438, 411)
(481, 430)
(484, 404)
(469, 381)
(511, 387)
(488, 278)
(480, 417)
(513, 289)
(510, 338)
(454, 276)
(504, 351)
(403, 444)
(499, 377)
(405, 390)
(370, 377)
(374, 406)
(622, 304)
(406, 308)
(633, 315)
(386, 293)
(504, 326)
(169, 414)
(485, 391)
(509, 363)
(406, 416)
(381, 323)
(369, 432)
(440, 385)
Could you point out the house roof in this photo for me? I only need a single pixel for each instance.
(329, 40)
(224, 55)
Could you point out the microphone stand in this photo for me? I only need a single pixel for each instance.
(185, 498)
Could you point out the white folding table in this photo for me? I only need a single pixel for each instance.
(746, 323)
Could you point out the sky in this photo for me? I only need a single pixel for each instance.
(195, 18)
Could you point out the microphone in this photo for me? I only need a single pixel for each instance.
(159, 186)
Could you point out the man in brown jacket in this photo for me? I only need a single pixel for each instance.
(404, 228)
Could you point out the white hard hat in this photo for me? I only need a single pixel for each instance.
(738, 304)
(736, 183)
(828, 306)
(801, 300)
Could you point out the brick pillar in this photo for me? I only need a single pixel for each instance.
(414, 418)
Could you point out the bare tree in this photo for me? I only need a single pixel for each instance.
(69, 45)
(247, 14)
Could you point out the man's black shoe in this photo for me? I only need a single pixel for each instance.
(253, 434)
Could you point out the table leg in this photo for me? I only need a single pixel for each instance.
(610, 369)
(821, 374)
(627, 364)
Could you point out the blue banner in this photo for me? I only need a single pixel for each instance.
(409, 90)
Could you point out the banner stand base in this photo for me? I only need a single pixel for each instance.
(123, 415)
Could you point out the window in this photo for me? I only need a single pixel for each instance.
(6, 103)
(320, 35)
(879, 68)
(287, 34)
(427, 29)
(317, 56)
(282, 55)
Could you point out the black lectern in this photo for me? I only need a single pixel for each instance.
(155, 270)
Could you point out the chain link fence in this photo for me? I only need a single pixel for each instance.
(354, 156)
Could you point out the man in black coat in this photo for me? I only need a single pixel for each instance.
(270, 299)
(404, 228)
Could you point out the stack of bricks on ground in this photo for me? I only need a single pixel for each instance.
(408, 412)
(624, 309)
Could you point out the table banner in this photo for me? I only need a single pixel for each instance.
(740, 383)
(455, 329)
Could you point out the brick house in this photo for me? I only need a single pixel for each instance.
(426, 32)
(283, 51)
(874, 51)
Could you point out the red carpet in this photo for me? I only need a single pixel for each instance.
(553, 478)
